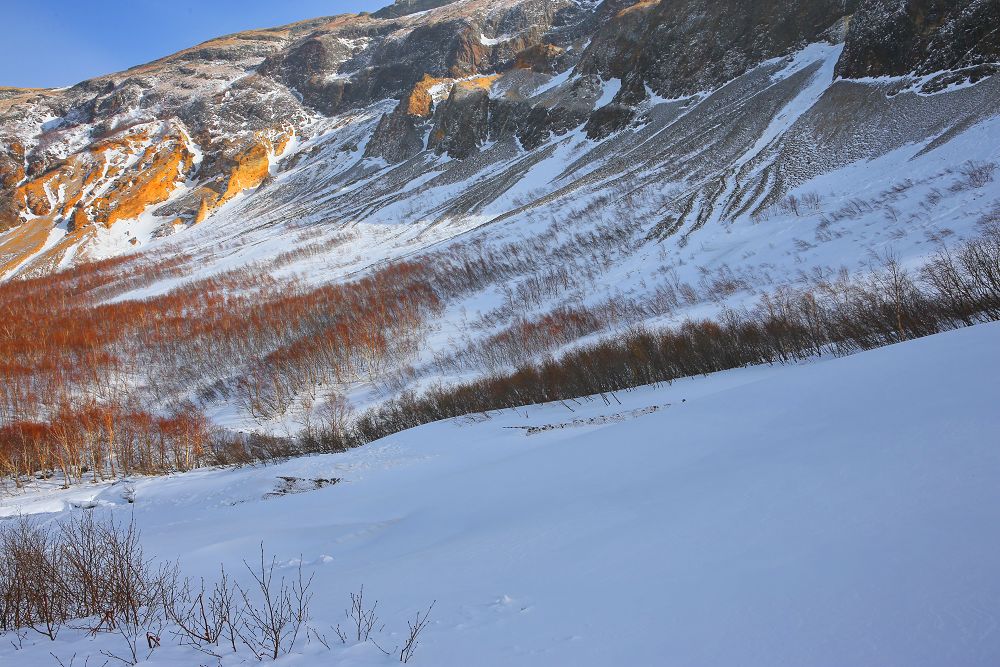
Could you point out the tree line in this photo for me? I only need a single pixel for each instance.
(953, 288)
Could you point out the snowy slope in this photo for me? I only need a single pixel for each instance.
(837, 513)
(905, 202)
(782, 172)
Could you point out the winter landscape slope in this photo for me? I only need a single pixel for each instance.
(833, 513)
(217, 262)
(652, 162)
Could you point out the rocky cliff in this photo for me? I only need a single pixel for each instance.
(926, 37)
(466, 98)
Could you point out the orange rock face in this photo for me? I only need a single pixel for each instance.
(202, 211)
(642, 5)
(45, 194)
(419, 103)
(249, 171)
(156, 175)
(79, 220)
(484, 82)
(12, 166)
(117, 178)
(245, 170)
(126, 143)
(34, 196)
(63, 190)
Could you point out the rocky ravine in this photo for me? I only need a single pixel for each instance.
(360, 116)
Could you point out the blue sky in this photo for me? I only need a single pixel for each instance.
(61, 42)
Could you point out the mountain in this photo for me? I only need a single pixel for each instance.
(368, 205)
(657, 332)
(447, 116)
(293, 226)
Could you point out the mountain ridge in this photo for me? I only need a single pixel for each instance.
(124, 160)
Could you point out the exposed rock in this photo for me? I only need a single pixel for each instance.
(609, 119)
(236, 167)
(405, 7)
(202, 211)
(462, 123)
(542, 58)
(249, 169)
(560, 110)
(35, 198)
(121, 99)
(420, 102)
(78, 220)
(896, 37)
(679, 47)
(397, 137)
(11, 163)
(155, 177)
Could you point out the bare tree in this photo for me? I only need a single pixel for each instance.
(416, 627)
(362, 620)
(271, 625)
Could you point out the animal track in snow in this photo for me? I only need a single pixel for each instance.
(592, 421)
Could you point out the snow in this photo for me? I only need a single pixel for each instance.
(440, 91)
(825, 54)
(914, 83)
(611, 88)
(554, 82)
(762, 252)
(493, 41)
(840, 512)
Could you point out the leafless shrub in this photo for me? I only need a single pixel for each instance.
(82, 570)
(274, 611)
(95, 573)
(811, 201)
(933, 197)
(990, 219)
(204, 616)
(333, 418)
(897, 190)
(32, 591)
(361, 620)
(722, 284)
(839, 316)
(416, 627)
(790, 204)
(72, 661)
(978, 174)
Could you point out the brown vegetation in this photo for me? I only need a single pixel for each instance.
(93, 387)
(75, 368)
(841, 317)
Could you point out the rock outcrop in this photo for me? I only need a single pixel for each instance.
(893, 38)
(161, 167)
(679, 47)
